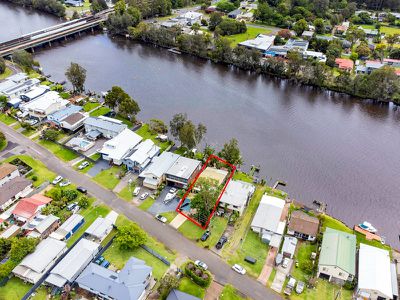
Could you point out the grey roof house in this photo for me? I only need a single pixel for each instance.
(129, 284)
(178, 295)
(107, 127)
(13, 190)
(183, 171)
(237, 195)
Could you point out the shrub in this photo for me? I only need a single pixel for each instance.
(199, 276)
(34, 178)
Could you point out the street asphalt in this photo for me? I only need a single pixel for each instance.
(162, 232)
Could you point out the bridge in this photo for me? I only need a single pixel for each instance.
(53, 33)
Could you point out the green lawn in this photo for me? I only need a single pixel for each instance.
(39, 169)
(15, 289)
(126, 193)
(271, 277)
(147, 203)
(243, 177)
(6, 119)
(90, 106)
(101, 111)
(90, 215)
(230, 293)
(95, 156)
(251, 33)
(108, 178)
(84, 7)
(6, 73)
(324, 290)
(17, 126)
(170, 215)
(119, 257)
(190, 230)
(125, 121)
(3, 144)
(191, 288)
(85, 170)
(384, 29)
(145, 133)
(28, 132)
(59, 151)
(303, 256)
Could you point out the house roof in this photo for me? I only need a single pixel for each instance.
(99, 227)
(237, 193)
(183, 167)
(73, 263)
(46, 223)
(36, 91)
(289, 245)
(303, 223)
(128, 284)
(119, 146)
(144, 152)
(178, 295)
(344, 63)
(374, 270)
(160, 165)
(13, 187)
(64, 113)
(43, 102)
(268, 213)
(67, 226)
(106, 123)
(74, 118)
(6, 169)
(10, 231)
(261, 42)
(41, 198)
(27, 207)
(214, 173)
(338, 249)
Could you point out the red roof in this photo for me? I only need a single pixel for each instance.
(391, 60)
(41, 198)
(27, 207)
(397, 72)
(344, 63)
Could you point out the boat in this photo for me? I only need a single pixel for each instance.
(368, 227)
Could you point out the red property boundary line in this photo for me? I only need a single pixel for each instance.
(233, 169)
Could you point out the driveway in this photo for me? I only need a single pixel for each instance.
(160, 207)
(99, 166)
(281, 274)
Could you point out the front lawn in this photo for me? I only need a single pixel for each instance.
(126, 193)
(230, 293)
(119, 257)
(58, 150)
(101, 111)
(243, 177)
(189, 287)
(6, 119)
(96, 156)
(250, 34)
(28, 132)
(147, 203)
(145, 133)
(169, 215)
(323, 290)
(108, 178)
(84, 170)
(3, 144)
(16, 289)
(190, 230)
(90, 106)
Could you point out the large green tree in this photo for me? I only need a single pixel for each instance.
(231, 152)
(130, 236)
(118, 99)
(204, 200)
(76, 74)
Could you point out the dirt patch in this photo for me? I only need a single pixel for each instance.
(214, 291)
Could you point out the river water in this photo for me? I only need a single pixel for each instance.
(331, 148)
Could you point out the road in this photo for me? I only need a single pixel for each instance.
(164, 233)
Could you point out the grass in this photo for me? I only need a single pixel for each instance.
(58, 150)
(108, 178)
(84, 170)
(15, 289)
(126, 193)
(39, 169)
(271, 277)
(303, 256)
(119, 257)
(3, 144)
(251, 33)
(323, 290)
(17, 126)
(125, 121)
(90, 106)
(28, 132)
(147, 203)
(190, 230)
(101, 111)
(189, 287)
(145, 133)
(90, 215)
(6, 73)
(384, 29)
(170, 215)
(230, 293)
(95, 156)
(6, 119)
(243, 177)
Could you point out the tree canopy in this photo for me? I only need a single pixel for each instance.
(76, 74)
(231, 152)
(130, 236)
(118, 99)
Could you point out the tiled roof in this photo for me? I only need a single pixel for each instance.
(6, 169)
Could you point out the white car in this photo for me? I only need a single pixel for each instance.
(83, 165)
(161, 218)
(173, 190)
(285, 262)
(65, 183)
(32, 122)
(57, 179)
(144, 196)
(136, 191)
(239, 269)
(201, 264)
(300, 287)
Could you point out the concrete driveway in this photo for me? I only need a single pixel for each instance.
(281, 274)
(159, 206)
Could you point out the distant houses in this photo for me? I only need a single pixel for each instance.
(44, 105)
(261, 43)
(17, 84)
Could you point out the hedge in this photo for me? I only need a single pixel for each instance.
(191, 269)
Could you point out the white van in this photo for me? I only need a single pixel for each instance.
(136, 191)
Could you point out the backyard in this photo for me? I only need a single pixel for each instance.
(303, 256)
(243, 177)
(90, 106)
(323, 290)
(191, 288)
(251, 33)
(16, 289)
(108, 178)
(145, 133)
(101, 111)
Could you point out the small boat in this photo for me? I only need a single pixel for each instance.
(368, 227)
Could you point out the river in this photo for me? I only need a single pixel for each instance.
(331, 148)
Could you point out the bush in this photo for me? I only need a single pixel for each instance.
(34, 178)
(199, 276)
(229, 27)
(204, 22)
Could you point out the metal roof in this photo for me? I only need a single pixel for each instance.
(64, 113)
(237, 193)
(106, 123)
(13, 187)
(179, 295)
(67, 226)
(144, 152)
(268, 213)
(46, 223)
(160, 165)
(183, 167)
(99, 228)
(289, 245)
(119, 146)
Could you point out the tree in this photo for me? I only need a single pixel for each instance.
(83, 202)
(215, 19)
(319, 26)
(300, 26)
(187, 135)
(77, 76)
(24, 59)
(395, 53)
(177, 122)
(21, 247)
(222, 51)
(392, 39)
(158, 126)
(230, 27)
(130, 236)
(5, 246)
(51, 134)
(354, 34)
(285, 33)
(167, 283)
(75, 15)
(231, 152)
(98, 6)
(128, 108)
(379, 51)
(2, 65)
(363, 50)
(204, 200)
(226, 6)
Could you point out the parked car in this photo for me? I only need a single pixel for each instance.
(99, 260)
(81, 189)
(205, 235)
(290, 286)
(144, 196)
(173, 190)
(161, 218)
(300, 287)
(76, 209)
(223, 239)
(71, 206)
(83, 165)
(201, 264)
(105, 264)
(136, 191)
(65, 183)
(32, 122)
(278, 259)
(239, 269)
(250, 260)
(57, 179)
(285, 262)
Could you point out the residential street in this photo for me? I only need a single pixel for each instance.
(164, 233)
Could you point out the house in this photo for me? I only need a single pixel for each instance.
(116, 149)
(27, 208)
(374, 274)
(13, 190)
(182, 172)
(261, 43)
(36, 264)
(68, 228)
(44, 105)
(370, 33)
(303, 226)
(41, 226)
(57, 116)
(392, 62)
(128, 284)
(237, 195)
(141, 156)
(34, 93)
(178, 295)
(10, 232)
(75, 3)
(235, 13)
(191, 17)
(17, 84)
(267, 220)
(337, 259)
(154, 174)
(103, 126)
(307, 35)
(99, 229)
(291, 45)
(69, 268)
(74, 122)
(7, 172)
(289, 246)
(319, 56)
(344, 64)
(218, 175)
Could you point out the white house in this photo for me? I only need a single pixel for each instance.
(120, 146)
(261, 43)
(103, 126)
(7, 172)
(237, 195)
(99, 229)
(141, 156)
(74, 121)
(13, 190)
(17, 84)
(35, 92)
(374, 274)
(192, 17)
(267, 220)
(44, 105)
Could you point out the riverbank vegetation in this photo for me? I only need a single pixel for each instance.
(49, 6)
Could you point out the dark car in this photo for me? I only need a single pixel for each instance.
(221, 242)
(205, 235)
(81, 189)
